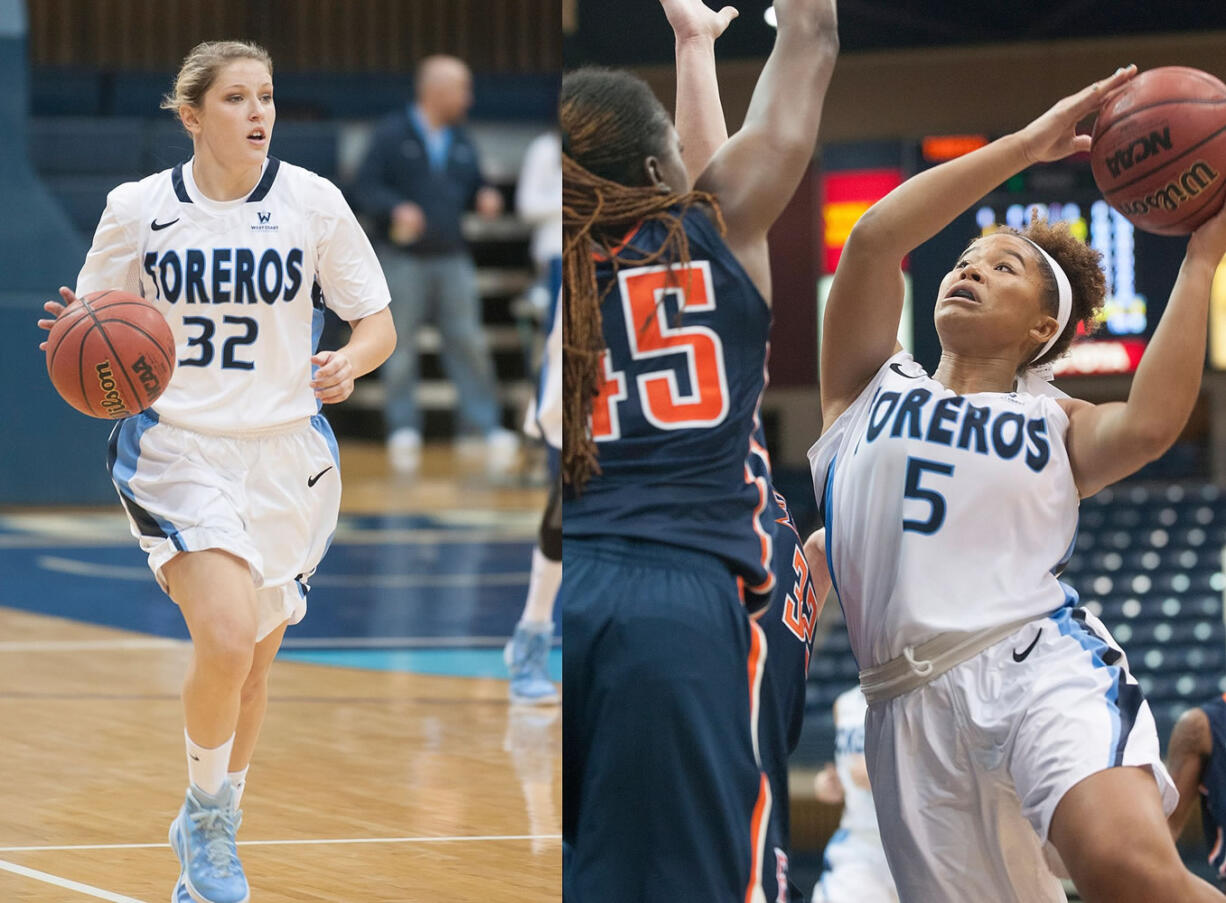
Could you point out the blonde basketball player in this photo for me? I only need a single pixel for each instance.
(230, 481)
(1001, 716)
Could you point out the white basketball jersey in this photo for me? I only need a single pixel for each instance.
(859, 814)
(943, 512)
(243, 285)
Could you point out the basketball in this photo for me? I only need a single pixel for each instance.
(1159, 149)
(110, 355)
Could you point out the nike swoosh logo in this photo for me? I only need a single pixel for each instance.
(1017, 657)
(155, 225)
(311, 481)
(897, 368)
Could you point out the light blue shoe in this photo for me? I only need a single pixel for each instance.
(527, 658)
(202, 836)
(180, 894)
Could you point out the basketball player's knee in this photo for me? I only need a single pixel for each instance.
(226, 646)
(255, 687)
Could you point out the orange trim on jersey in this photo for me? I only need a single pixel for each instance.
(757, 834)
(761, 811)
(620, 246)
(757, 657)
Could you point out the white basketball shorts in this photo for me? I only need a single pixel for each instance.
(854, 871)
(270, 499)
(967, 770)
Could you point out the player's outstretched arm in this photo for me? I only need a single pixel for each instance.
(865, 303)
(1188, 751)
(699, 115)
(372, 342)
(756, 172)
(1107, 442)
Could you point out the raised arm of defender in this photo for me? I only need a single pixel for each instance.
(699, 115)
(756, 172)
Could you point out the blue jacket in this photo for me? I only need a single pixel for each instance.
(397, 169)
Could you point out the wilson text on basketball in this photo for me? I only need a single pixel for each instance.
(1171, 196)
(112, 401)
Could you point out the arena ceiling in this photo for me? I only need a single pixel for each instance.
(627, 32)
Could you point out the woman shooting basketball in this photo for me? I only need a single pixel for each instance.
(1001, 716)
(230, 479)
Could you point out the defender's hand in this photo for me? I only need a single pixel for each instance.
(693, 19)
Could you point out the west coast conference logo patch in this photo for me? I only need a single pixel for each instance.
(264, 224)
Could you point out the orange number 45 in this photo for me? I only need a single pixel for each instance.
(650, 335)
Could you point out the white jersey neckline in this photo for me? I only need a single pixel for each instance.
(208, 204)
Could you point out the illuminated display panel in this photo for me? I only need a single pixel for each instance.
(1118, 343)
(846, 195)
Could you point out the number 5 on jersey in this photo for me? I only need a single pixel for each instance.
(916, 468)
(650, 333)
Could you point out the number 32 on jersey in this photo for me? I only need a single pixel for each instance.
(651, 333)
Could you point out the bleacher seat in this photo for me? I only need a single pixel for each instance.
(88, 146)
(83, 197)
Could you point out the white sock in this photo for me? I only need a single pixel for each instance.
(206, 768)
(238, 780)
(542, 588)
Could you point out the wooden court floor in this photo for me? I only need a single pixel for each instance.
(380, 786)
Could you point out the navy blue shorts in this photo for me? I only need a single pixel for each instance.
(663, 799)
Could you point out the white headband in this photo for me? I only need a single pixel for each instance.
(1065, 293)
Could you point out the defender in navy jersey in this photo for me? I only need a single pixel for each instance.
(789, 626)
(230, 480)
(665, 320)
(1196, 759)
(683, 375)
(1001, 717)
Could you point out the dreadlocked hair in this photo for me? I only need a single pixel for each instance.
(611, 122)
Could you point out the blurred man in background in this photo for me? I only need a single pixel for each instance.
(420, 174)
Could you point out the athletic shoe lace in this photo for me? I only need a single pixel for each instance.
(217, 827)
